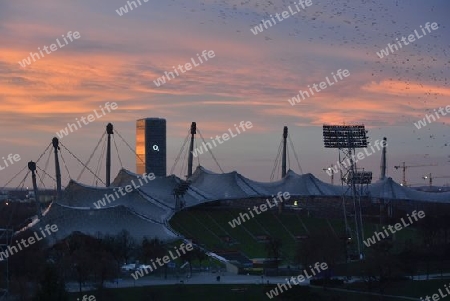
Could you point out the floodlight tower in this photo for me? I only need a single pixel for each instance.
(283, 162)
(55, 143)
(363, 179)
(347, 138)
(109, 131)
(383, 160)
(191, 148)
(32, 168)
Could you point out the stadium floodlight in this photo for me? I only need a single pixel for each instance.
(347, 138)
(179, 191)
(344, 136)
(360, 177)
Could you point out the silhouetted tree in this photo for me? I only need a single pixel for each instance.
(52, 286)
(152, 249)
(378, 265)
(200, 255)
(189, 256)
(26, 266)
(408, 259)
(273, 249)
(126, 245)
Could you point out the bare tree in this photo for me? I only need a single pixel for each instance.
(273, 248)
(152, 249)
(126, 245)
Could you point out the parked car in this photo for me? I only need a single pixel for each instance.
(143, 267)
(128, 267)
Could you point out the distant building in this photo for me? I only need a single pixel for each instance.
(25, 195)
(151, 146)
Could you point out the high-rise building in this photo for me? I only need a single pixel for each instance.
(151, 146)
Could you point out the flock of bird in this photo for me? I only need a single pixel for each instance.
(363, 25)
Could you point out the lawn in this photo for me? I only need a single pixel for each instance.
(250, 292)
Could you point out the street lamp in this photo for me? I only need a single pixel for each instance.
(430, 179)
(332, 173)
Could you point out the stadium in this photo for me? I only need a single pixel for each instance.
(212, 210)
(238, 226)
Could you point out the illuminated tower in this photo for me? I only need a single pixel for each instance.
(151, 146)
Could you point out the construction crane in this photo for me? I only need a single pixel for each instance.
(430, 178)
(404, 167)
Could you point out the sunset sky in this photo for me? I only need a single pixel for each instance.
(117, 58)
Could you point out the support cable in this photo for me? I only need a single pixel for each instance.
(295, 155)
(183, 165)
(99, 164)
(198, 157)
(277, 160)
(50, 144)
(201, 136)
(134, 152)
(91, 156)
(45, 173)
(21, 184)
(288, 158)
(65, 165)
(179, 154)
(40, 180)
(25, 167)
(82, 163)
(117, 150)
(46, 164)
(15, 176)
